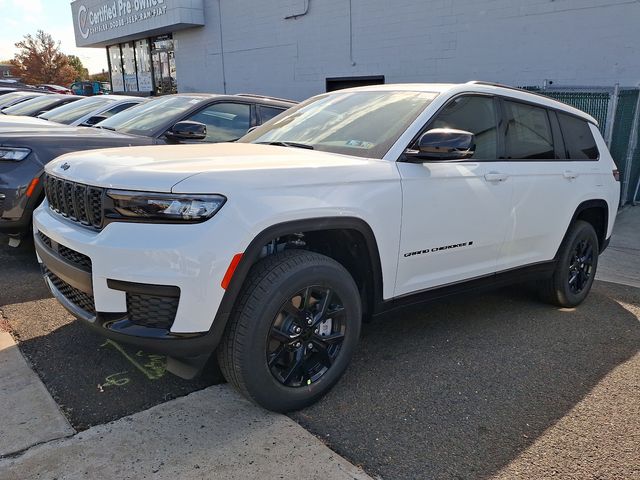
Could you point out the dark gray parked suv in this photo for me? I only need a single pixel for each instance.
(181, 118)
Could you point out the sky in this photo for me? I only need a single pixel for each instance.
(21, 17)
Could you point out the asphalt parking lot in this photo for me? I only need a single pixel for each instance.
(455, 389)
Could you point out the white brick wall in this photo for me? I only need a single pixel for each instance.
(520, 42)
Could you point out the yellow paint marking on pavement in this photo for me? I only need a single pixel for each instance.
(153, 370)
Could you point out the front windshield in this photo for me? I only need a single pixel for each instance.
(360, 123)
(145, 118)
(73, 111)
(33, 106)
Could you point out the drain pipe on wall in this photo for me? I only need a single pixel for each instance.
(224, 76)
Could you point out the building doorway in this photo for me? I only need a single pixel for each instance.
(338, 83)
(164, 65)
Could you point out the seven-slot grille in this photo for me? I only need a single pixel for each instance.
(76, 201)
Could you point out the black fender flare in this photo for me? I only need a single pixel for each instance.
(252, 254)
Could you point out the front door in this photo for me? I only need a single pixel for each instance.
(455, 213)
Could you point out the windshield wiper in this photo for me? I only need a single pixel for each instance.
(288, 144)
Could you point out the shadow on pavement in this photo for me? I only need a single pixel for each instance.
(20, 278)
(94, 380)
(459, 388)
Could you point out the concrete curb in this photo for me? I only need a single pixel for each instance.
(211, 434)
(30, 415)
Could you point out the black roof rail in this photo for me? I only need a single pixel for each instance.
(509, 87)
(266, 97)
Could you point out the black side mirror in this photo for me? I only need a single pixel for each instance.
(187, 130)
(93, 120)
(443, 144)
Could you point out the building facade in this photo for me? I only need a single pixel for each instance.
(298, 48)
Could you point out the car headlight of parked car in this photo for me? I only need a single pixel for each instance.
(14, 153)
(163, 207)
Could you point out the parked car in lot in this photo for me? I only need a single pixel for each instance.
(55, 88)
(91, 110)
(85, 112)
(271, 250)
(37, 106)
(13, 98)
(88, 88)
(175, 119)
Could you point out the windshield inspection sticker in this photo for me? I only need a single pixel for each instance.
(438, 249)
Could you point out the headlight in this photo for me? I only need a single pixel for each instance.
(16, 154)
(163, 207)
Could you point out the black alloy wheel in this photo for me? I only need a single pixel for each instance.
(306, 336)
(293, 331)
(575, 267)
(581, 266)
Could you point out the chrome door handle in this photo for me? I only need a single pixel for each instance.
(495, 177)
(570, 175)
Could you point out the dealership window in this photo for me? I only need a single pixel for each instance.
(143, 66)
(115, 63)
(129, 67)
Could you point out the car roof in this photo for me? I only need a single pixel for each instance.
(261, 99)
(479, 87)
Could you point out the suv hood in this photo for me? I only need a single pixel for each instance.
(160, 168)
(17, 121)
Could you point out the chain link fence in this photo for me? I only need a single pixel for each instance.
(617, 110)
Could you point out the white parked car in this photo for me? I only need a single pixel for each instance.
(270, 251)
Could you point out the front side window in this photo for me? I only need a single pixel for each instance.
(475, 114)
(527, 132)
(225, 121)
(361, 123)
(578, 139)
(145, 118)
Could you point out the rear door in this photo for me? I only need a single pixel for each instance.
(550, 176)
(455, 212)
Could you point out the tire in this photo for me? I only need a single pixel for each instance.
(261, 352)
(576, 267)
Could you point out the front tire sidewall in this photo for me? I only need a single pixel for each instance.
(259, 380)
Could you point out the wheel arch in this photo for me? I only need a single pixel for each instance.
(350, 226)
(595, 212)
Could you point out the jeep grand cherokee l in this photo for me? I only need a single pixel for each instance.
(182, 118)
(271, 251)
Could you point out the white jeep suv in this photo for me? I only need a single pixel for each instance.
(270, 251)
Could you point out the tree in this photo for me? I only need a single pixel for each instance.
(100, 77)
(39, 60)
(81, 72)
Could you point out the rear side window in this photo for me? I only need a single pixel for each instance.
(267, 113)
(528, 132)
(578, 139)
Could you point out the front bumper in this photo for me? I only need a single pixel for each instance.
(154, 286)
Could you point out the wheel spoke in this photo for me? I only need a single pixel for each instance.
(290, 309)
(295, 370)
(332, 339)
(324, 305)
(305, 299)
(280, 336)
(275, 356)
(322, 350)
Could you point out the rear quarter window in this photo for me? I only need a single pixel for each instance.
(578, 139)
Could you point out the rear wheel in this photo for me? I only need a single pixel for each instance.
(576, 267)
(293, 331)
